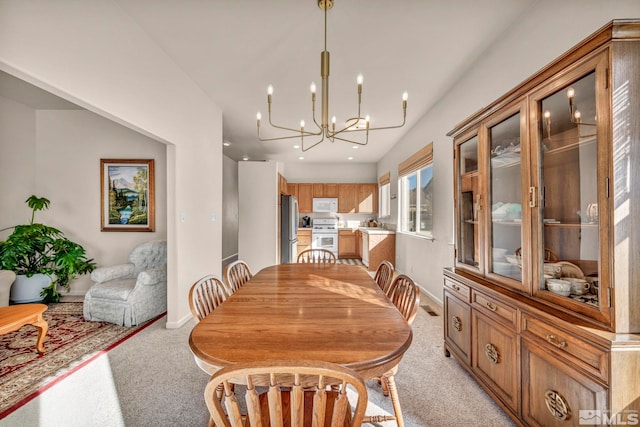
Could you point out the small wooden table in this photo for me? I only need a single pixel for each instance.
(14, 317)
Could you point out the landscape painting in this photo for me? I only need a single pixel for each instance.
(127, 195)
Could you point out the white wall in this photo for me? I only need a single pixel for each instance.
(330, 172)
(18, 129)
(259, 216)
(229, 207)
(94, 55)
(546, 31)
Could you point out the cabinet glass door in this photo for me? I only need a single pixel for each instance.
(505, 197)
(572, 176)
(468, 205)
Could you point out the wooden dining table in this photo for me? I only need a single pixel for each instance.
(334, 313)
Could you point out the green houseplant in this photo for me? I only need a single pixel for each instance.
(39, 249)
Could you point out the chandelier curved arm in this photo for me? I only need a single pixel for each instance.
(353, 141)
(303, 148)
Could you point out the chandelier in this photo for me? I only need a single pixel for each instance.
(356, 124)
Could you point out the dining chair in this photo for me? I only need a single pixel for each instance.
(405, 295)
(205, 295)
(384, 276)
(236, 274)
(299, 393)
(316, 256)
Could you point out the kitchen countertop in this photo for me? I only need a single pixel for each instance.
(369, 230)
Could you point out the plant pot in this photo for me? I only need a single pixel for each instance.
(27, 289)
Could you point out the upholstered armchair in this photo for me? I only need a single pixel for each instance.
(6, 280)
(129, 294)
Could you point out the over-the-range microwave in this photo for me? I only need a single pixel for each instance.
(324, 204)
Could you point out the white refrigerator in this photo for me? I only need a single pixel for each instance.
(288, 229)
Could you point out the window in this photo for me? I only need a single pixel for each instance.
(415, 187)
(384, 196)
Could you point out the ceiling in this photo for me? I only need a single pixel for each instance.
(233, 49)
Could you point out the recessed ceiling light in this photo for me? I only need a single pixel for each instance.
(245, 158)
(226, 143)
(296, 146)
(300, 158)
(349, 158)
(355, 147)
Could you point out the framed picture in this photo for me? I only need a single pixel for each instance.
(127, 197)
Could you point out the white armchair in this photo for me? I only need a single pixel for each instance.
(129, 294)
(6, 280)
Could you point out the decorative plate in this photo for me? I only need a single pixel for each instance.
(570, 270)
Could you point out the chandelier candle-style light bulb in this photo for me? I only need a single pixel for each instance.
(324, 130)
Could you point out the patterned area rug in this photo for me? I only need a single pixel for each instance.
(351, 261)
(71, 342)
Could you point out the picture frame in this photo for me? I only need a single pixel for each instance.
(127, 195)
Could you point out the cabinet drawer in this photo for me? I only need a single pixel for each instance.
(583, 354)
(495, 358)
(494, 308)
(458, 289)
(555, 392)
(457, 326)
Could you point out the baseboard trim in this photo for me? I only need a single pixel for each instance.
(180, 323)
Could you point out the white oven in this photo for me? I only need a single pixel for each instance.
(324, 235)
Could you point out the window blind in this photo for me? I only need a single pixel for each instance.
(418, 160)
(385, 179)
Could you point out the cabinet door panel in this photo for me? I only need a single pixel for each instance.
(305, 198)
(554, 393)
(572, 167)
(468, 202)
(347, 198)
(457, 326)
(495, 358)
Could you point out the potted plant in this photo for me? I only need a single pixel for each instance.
(36, 249)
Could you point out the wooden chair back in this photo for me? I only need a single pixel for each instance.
(205, 295)
(405, 295)
(299, 393)
(236, 274)
(316, 256)
(384, 276)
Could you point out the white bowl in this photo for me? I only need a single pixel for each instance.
(559, 286)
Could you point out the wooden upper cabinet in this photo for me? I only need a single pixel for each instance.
(282, 185)
(305, 198)
(367, 198)
(330, 190)
(318, 190)
(292, 189)
(347, 194)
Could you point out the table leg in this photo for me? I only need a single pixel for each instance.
(43, 327)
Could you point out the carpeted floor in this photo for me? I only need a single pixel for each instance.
(70, 342)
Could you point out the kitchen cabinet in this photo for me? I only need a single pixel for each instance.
(367, 198)
(347, 194)
(357, 198)
(377, 245)
(541, 179)
(304, 240)
(325, 190)
(347, 244)
(283, 188)
(305, 198)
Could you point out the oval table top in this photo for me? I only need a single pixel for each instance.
(335, 313)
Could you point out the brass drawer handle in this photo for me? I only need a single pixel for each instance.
(491, 306)
(457, 323)
(456, 287)
(492, 353)
(560, 343)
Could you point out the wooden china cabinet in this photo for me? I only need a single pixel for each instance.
(547, 188)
